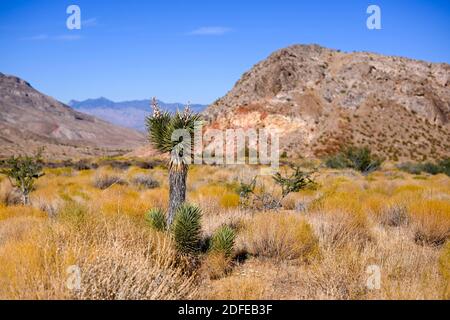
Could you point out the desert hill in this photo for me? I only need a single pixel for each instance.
(319, 99)
(30, 119)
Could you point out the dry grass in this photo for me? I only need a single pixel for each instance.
(117, 259)
(279, 236)
(431, 219)
(319, 246)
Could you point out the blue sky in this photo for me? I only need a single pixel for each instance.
(196, 50)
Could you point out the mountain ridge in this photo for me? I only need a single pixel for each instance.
(128, 113)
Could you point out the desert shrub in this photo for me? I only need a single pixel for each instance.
(356, 158)
(431, 221)
(338, 161)
(103, 180)
(442, 166)
(294, 182)
(263, 201)
(410, 167)
(245, 189)
(216, 265)
(223, 240)
(394, 215)
(186, 229)
(157, 219)
(280, 236)
(431, 168)
(84, 165)
(445, 166)
(22, 172)
(340, 229)
(145, 181)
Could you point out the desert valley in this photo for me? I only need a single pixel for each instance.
(359, 208)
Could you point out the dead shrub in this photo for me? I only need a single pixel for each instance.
(145, 181)
(340, 228)
(104, 180)
(395, 215)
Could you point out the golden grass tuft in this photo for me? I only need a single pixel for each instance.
(216, 265)
(431, 221)
(280, 236)
(229, 200)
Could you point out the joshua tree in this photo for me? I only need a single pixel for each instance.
(173, 133)
(22, 172)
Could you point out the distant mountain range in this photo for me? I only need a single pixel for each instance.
(130, 114)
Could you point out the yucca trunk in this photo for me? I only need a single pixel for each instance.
(177, 190)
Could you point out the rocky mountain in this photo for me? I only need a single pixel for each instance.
(130, 114)
(30, 119)
(320, 99)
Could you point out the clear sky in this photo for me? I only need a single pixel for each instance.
(196, 50)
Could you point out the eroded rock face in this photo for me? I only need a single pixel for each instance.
(30, 119)
(319, 99)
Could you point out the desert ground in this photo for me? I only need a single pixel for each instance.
(329, 241)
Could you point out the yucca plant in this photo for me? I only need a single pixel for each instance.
(157, 219)
(168, 133)
(223, 240)
(186, 228)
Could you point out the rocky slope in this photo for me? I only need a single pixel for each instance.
(30, 119)
(319, 99)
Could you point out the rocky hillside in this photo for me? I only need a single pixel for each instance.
(319, 99)
(30, 119)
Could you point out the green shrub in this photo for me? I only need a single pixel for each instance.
(445, 166)
(223, 240)
(186, 228)
(157, 219)
(22, 172)
(431, 168)
(442, 166)
(338, 161)
(295, 182)
(356, 158)
(410, 167)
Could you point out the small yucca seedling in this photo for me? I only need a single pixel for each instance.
(157, 219)
(186, 228)
(223, 240)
